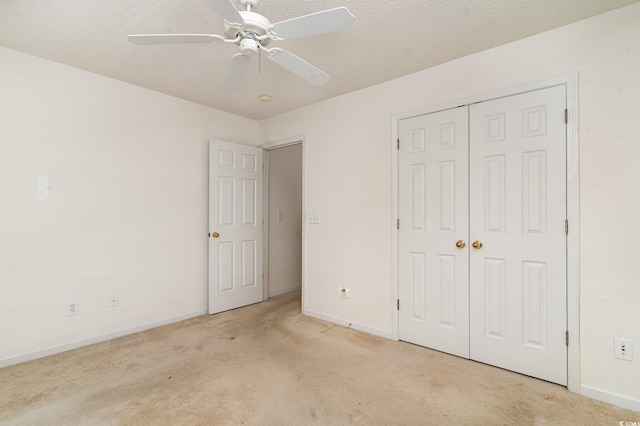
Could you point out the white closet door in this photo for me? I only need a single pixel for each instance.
(433, 197)
(517, 210)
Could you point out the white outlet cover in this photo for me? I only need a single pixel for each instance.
(72, 307)
(623, 349)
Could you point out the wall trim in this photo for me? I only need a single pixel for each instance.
(611, 398)
(52, 350)
(570, 81)
(281, 143)
(349, 324)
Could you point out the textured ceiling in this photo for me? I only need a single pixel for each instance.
(391, 38)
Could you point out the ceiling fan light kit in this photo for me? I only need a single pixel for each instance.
(251, 32)
(248, 46)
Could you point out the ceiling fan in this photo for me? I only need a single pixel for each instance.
(253, 32)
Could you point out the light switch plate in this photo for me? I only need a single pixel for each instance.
(42, 185)
(314, 218)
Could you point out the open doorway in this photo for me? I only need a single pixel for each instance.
(283, 272)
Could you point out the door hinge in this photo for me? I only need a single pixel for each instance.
(398, 304)
(566, 116)
(398, 143)
(398, 224)
(567, 338)
(566, 227)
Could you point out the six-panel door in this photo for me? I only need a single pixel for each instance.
(235, 225)
(517, 209)
(433, 195)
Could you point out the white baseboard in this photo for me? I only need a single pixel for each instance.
(283, 291)
(349, 324)
(5, 362)
(611, 398)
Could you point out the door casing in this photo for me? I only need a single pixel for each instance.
(570, 81)
(296, 140)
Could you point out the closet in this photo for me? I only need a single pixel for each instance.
(482, 205)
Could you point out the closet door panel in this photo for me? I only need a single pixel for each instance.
(433, 197)
(517, 212)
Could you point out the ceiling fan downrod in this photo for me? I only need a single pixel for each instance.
(248, 4)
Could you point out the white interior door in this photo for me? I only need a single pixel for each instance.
(235, 226)
(433, 197)
(518, 212)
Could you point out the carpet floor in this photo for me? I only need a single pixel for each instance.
(267, 364)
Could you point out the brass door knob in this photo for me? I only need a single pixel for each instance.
(460, 244)
(215, 235)
(476, 244)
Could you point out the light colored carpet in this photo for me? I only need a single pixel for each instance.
(268, 364)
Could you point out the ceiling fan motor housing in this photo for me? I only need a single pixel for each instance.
(255, 25)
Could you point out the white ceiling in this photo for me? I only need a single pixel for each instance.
(391, 38)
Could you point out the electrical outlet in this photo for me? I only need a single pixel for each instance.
(623, 349)
(72, 307)
(113, 301)
(344, 292)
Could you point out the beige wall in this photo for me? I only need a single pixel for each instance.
(285, 232)
(127, 206)
(349, 150)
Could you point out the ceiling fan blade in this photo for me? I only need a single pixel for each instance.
(174, 38)
(235, 73)
(227, 10)
(316, 23)
(299, 66)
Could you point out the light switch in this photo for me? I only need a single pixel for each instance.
(314, 218)
(280, 216)
(42, 187)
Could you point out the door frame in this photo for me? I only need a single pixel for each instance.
(281, 143)
(570, 81)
